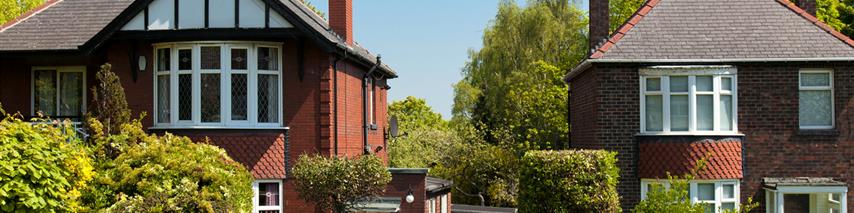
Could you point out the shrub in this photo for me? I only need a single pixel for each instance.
(110, 105)
(483, 174)
(42, 169)
(569, 181)
(339, 183)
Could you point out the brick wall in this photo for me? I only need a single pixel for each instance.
(400, 185)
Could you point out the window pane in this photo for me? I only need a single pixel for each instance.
(815, 108)
(71, 94)
(654, 113)
(238, 59)
(268, 96)
(238, 97)
(679, 84)
(653, 84)
(704, 83)
(210, 98)
(185, 59)
(268, 58)
(185, 97)
(163, 59)
(210, 57)
(726, 84)
(728, 206)
(268, 194)
(705, 112)
(729, 191)
(726, 112)
(45, 91)
(815, 79)
(163, 98)
(679, 113)
(706, 191)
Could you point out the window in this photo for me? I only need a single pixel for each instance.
(218, 84)
(59, 92)
(815, 99)
(431, 205)
(268, 196)
(715, 195)
(688, 100)
(443, 205)
(372, 102)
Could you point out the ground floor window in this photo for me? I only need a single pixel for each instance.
(715, 195)
(267, 196)
(59, 92)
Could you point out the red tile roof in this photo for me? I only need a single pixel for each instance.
(658, 158)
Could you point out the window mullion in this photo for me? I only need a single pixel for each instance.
(692, 104)
(196, 85)
(642, 103)
(173, 85)
(225, 84)
(665, 96)
(716, 106)
(252, 85)
(56, 112)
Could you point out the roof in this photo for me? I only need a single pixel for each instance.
(684, 31)
(382, 204)
(656, 159)
(436, 185)
(774, 182)
(69, 24)
(461, 208)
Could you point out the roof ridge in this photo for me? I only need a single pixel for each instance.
(623, 29)
(812, 19)
(28, 14)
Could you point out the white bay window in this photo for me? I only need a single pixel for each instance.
(714, 195)
(688, 100)
(218, 85)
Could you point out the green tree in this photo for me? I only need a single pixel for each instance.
(423, 134)
(838, 14)
(621, 11)
(43, 166)
(110, 105)
(483, 174)
(569, 181)
(339, 184)
(11, 9)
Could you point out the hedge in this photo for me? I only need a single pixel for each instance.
(569, 181)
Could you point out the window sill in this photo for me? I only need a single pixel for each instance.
(218, 127)
(818, 132)
(734, 134)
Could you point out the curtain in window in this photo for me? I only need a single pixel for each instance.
(71, 94)
(163, 98)
(268, 94)
(268, 194)
(45, 91)
(654, 114)
(815, 108)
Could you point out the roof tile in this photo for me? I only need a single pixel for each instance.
(659, 158)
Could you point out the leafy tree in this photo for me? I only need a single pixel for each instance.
(339, 184)
(43, 166)
(622, 10)
(11, 9)
(483, 174)
(423, 134)
(569, 181)
(110, 104)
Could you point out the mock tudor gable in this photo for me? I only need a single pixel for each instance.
(170, 14)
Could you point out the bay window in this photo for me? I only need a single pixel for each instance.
(59, 92)
(688, 100)
(218, 84)
(714, 195)
(815, 99)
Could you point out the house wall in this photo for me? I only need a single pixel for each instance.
(16, 77)
(401, 184)
(767, 116)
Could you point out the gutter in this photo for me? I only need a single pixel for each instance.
(366, 127)
(589, 62)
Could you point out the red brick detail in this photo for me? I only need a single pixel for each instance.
(659, 158)
(263, 154)
(26, 15)
(812, 19)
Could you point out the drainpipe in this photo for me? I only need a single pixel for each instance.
(366, 126)
(335, 97)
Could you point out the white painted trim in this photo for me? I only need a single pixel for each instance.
(664, 73)
(817, 88)
(58, 70)
(693, 192)
(255, 200)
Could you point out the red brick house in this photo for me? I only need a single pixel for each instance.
(760, 86)
(267, 80)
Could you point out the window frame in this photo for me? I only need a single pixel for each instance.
(59, 70)
(693, 192)
(225, 73)
(818, 88)
(256, 201)
(718, 73)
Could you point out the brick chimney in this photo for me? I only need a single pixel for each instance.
(599, 23)
(808, 5)
(341, 18)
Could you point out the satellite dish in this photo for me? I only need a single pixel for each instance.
(392, 129)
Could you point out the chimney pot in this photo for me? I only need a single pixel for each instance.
(341, 18)
(599, 22)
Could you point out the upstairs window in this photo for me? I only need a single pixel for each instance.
(59, 92)
(218, 84)
(815, 99)
(688, 101)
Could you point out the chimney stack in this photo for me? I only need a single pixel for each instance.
(599, 24)
(341, 18)
(808, 5)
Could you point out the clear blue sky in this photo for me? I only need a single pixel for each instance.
(425, 41)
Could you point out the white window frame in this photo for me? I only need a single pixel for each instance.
(819, 88)
(665, 72)
(371, 102)
(775, 198)
(693, 192)
(431, 205)
(255, 199)
(59, 70)
(225, 85)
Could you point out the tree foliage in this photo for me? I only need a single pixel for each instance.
(569, 181)
(339, 184)
(424, 135)
(621, 11)
(11, 9)
(483, 174)
(43, 166)
(110, 105)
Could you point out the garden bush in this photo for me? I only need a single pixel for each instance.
(569, 181)
(339, 183)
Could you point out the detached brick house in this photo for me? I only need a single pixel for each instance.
(760, 86)
(267, 80)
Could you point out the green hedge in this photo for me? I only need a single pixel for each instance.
(569, 181)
